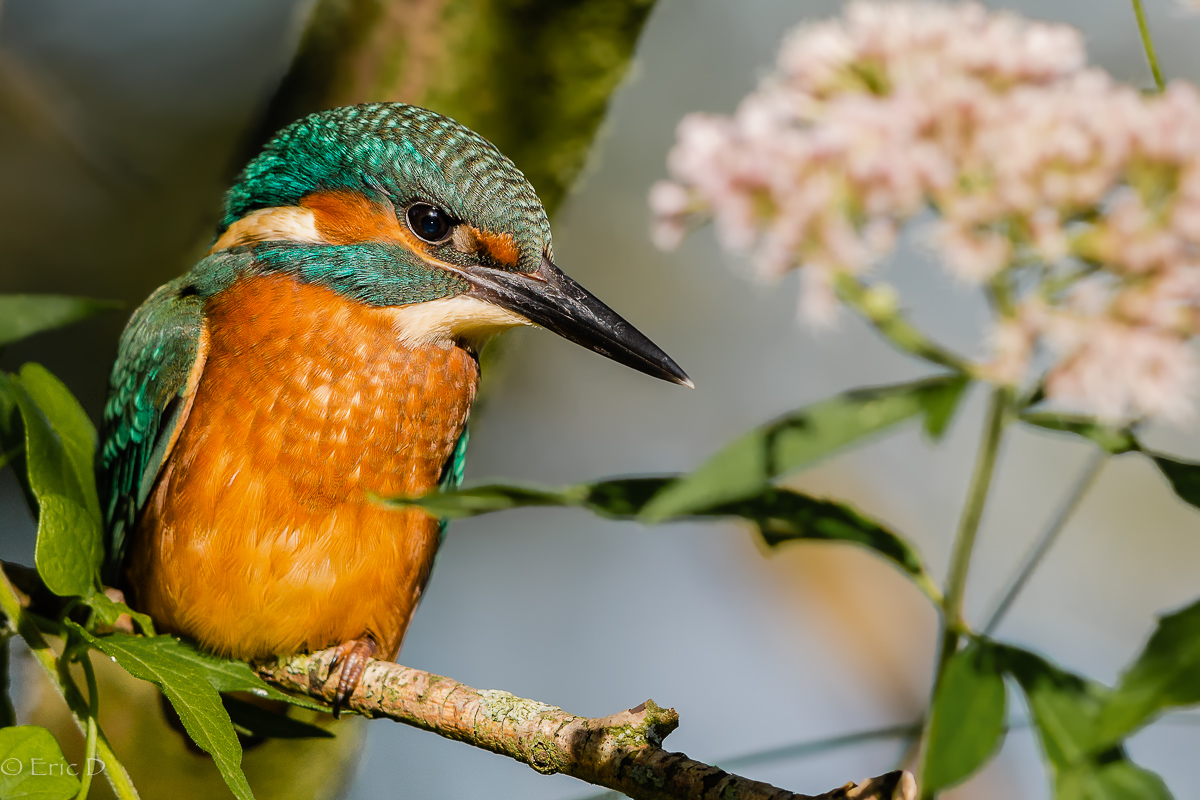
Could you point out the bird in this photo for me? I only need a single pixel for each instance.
(322, 353)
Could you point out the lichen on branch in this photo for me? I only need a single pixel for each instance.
(622, 751)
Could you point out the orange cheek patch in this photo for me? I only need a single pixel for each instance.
(500, 246)
(344, 217)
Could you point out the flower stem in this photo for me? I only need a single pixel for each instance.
(998, 413)
(1148, 44)
(892, 324)
(1046, 540)
(999, 404)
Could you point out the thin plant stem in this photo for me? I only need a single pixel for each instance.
(1148, 44)
(114, 770)
(1044, 542)
(928, 588)
(894, 327)
(999, 403)
(802, 749)
(93, 726)
(999, 408)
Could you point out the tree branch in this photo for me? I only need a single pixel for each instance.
(622, 751)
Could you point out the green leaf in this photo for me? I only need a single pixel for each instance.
(222, 674)
(191, 681)
(490, 498)
(1065, 707)
(781, 515)
(12, 438)
(1114, 440)
(967, 725)
(1069, 714)
(1165, 675)
(60, 445)
(1183, 475)
(64, 553)
(60, 438)
(253, 720)
(32, 766)
(23, 315)
(799, 439)
(1116, 779)
(109, 610)
(192, 695)
(941, 405)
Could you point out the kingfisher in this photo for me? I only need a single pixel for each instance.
(325, 350)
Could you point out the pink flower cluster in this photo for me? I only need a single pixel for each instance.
(1076, 197)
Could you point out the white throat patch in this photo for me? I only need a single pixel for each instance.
(460, 319)
(282, 223)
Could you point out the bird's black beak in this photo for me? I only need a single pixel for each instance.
(550, 299)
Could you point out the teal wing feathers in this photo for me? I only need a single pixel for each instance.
(153, 382)
(452, 472)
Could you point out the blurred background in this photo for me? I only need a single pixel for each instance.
(118, 125)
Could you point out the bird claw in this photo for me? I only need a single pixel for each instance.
(353, 657)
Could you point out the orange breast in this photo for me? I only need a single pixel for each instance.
(260, 537)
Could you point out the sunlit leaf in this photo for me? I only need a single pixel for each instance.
(190, 691)
(967, 725)
(65, 551)
(1165, 675)
(799, 439)
(490, 498)
(1066, 708)
(222, 674)
(940, 406)
(781, 515)
(23, 315)
(1184, 476)
(1115, 779)
(60, 447)
(32, 766)
(1114, 440)
(108, 611)
(57, 427)
(1070, 715)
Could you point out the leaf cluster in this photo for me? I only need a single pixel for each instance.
(50, 443)
(1081, 724)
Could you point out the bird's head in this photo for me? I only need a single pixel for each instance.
(398, 207)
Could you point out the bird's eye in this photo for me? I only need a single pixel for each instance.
(429, 222)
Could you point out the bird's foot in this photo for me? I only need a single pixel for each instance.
(353, 657)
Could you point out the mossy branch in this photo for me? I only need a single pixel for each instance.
(532, 76)
(622, 751)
